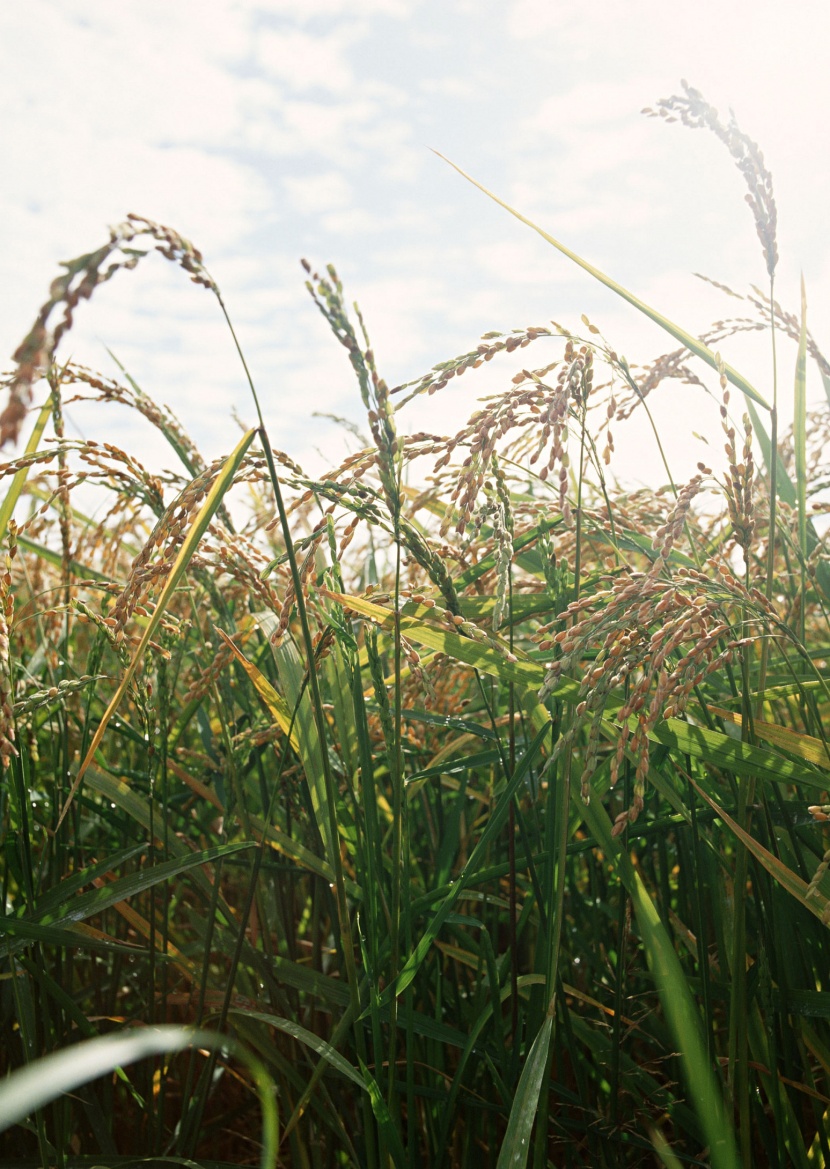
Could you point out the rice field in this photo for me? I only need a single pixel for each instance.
(458, 807)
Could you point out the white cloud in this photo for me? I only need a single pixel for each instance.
(311, 10)
(453, 87)
(267, 130)
(315, 193)
(588, 103)
(354, 221)
(304, 61)
(344, 134)
(113, 66)
(523, 260)
(103, 118)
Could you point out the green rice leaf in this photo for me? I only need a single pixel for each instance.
(21, 933)
(800, 424)
(29, 1089)
(675, 995)
(684, 1022)
(312, 1041)
(784, 484)
(57, 927)
(275, 702)
(53, 558)
(787, 491)
(807, 747)
(296, 851)
(478, 855)
(292, 675)
(97, 900)
(817, 903)
(189, 545)
(719, 750)
(692, 343)
(16, 486)
(516, 1144)
(384, 1119)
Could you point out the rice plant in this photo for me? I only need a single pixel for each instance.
(455, 807)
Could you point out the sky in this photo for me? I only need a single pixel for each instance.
(270, 131)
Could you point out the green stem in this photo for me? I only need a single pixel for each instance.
(511, 840)
(344, 921)
(561, 851)
(689, 534)
(565, 782)
(773, 495)
(397, 833)
(738, 1039)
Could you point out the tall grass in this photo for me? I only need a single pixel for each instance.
(476, 822)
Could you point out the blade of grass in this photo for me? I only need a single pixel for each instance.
(344, 922)
(675, 996)
(807, 747)
(787, 492)
(800, 445)
(692, 343)
(16, 486)
(385, 1122)
(312, 747)
(493, 826)
(206, 512)
(516, 1144)
(817, 903)
(709, 746)
(77, 935)
(309, 1039)
(277, 705)
(84, 905)
(53, 558)
(29, 1089)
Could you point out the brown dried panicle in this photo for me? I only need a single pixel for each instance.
(491, 344)
(740, 476)
(108, 390)
(789, 323)
(239, 565)
(366, 503)
(818, 562)
(206, 676)
(421, 677)
(340, 483)
(669, 366)
(820, 813)
(62, 493)
(119, 470)
(816, 880)
(327, 294)
(656, 640)
(52, 694)
(674, 364)
(169, 532)
(667, 534)
(80, 278)
(306, 569)
(499, 513)
(529, 405)
(695, 112)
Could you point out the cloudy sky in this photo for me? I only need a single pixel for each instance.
(267, 131)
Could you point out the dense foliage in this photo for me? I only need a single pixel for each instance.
(475, 822)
